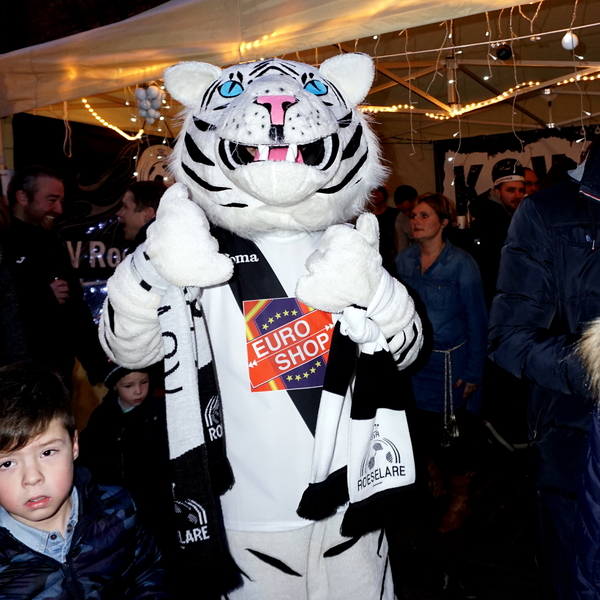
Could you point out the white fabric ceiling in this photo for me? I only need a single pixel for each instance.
(221, 32)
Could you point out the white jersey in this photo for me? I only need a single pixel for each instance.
(269, 445)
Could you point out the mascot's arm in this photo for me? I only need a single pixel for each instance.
(179, 251)
(346, 272)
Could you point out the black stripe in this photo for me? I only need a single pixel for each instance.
(340, 548)
(407, 349)
(335, 146)
(173, 391)
(353, 144)
(266, 64)
(341, 98)
(163, 309)
(203, 125)
(195, 153)
(345, 120)
(145, 285)
(200, 181)
(224, 157)
(111, 316)
(340, 367)
(274, 562)
(209, 93)
(146, 256)
(347, 179)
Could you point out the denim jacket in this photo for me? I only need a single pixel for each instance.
(452, 294)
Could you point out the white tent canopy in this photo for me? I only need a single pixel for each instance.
(221, 32)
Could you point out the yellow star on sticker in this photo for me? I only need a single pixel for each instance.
(298, 378)
(294, 312)
(278, 315)
(265, 326)
(289, 378)
(318, 363)
(286, 313)
(313, 370)
(271, 320)
(305, 375)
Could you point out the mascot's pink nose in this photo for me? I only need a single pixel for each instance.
(276, 105)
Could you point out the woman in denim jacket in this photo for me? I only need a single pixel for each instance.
(447, 282)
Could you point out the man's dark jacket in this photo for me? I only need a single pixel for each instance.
(111, 557)
(55, 333)
(548, 289)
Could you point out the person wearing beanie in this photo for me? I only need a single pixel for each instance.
(125, 443)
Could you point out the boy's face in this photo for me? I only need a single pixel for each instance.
(36, 480)
(133, 388)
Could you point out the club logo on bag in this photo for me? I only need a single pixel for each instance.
(381, 461)
(192, 524)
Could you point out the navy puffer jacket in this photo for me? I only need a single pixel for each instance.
(111, 557)
(548, 289)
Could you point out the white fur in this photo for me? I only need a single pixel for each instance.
(180, 246)
(277, 195)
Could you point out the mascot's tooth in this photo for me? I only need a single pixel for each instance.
(292, 152)
(263, 153)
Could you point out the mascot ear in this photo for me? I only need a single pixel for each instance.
(352, 73)
(187, 81)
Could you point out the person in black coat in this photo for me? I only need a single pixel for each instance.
(548, 289)
(125, 443)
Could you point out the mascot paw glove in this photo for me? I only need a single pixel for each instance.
(346, 268)
(180, 246)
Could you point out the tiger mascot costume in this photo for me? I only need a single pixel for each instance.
(279, 329)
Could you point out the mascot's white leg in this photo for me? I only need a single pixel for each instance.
(312, 563)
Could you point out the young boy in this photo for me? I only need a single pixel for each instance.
(125, 443)
(62, 536)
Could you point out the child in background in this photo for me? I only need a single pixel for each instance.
(60, 533)
(125, 443)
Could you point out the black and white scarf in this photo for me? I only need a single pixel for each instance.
(199, 467)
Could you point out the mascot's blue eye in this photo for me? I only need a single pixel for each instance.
(230, 89)
(316, 87)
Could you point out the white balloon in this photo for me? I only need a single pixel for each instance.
(140, 94)
(152, 113)
(156, 103)
(145, 104)
(570, 41)
(150, 121)
(153, 92)
(143, 113)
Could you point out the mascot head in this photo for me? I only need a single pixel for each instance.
(276, 145)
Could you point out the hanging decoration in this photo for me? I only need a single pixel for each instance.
(150, 100)
(570, 41)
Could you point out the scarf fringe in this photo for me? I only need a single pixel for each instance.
(321, 500)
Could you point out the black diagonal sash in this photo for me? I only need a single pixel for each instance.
(256, 280)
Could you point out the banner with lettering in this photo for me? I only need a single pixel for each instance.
(465, 167)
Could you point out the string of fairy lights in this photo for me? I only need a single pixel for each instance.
(151, 98)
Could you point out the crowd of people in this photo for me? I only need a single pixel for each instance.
(528, 262)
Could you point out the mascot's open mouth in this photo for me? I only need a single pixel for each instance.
(319, 154)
